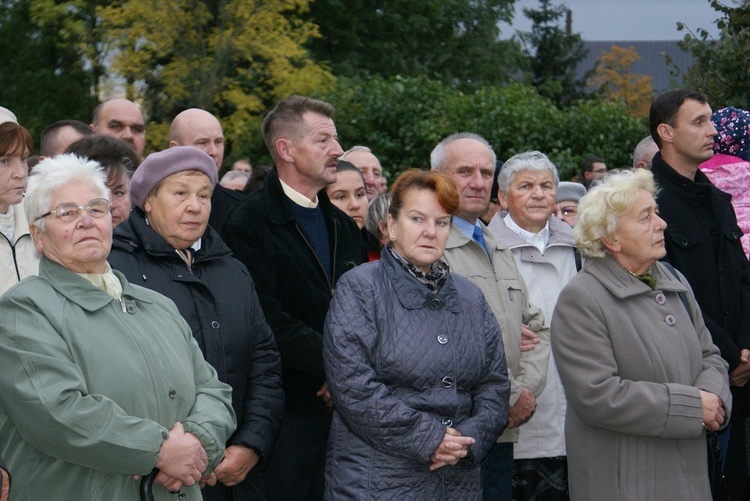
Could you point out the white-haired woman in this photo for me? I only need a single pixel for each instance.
(101, 380)
(542, 246)
(643, 379)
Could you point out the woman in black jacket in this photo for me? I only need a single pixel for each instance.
(167, 246)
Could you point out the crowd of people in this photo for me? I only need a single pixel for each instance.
(479, 330)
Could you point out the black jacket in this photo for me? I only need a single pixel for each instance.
(217, 298)
(703, 242)
(294, 290)
(222, 200)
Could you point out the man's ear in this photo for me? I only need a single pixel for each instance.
(284, 149)
(666, 133)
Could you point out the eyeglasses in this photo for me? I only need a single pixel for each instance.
(68, 211)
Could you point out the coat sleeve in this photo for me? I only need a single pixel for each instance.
(534, 363)
(264, 399)
(367, 406)
(45, 394)
(588, 368)
(489, 413)
(300, 346)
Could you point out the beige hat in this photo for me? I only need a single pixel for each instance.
(7, 116)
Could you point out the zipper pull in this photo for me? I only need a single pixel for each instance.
(124, 308)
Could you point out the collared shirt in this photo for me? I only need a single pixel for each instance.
(538, 240)
(297, 197)
(464, 226)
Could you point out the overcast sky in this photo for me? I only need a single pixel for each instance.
(627, 19)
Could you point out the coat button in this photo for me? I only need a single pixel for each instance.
(685, 242)
(446, 421)
(436, 303)
(215, 324)
(660, 299)
(130, 308)
(182, 495)
(447, 382)
(670, 320)
(172, 393)
(442, 338)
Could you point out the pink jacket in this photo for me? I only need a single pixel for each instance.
(732, 175)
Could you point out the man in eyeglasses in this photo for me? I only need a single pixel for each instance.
(566, 202)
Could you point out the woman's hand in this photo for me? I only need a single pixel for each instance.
(181, 461)
(529, 339)
(453, 447)
(713, 411)
(238, 461)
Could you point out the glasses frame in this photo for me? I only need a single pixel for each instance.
(79, 208)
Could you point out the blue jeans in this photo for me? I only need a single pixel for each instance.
(497, 472)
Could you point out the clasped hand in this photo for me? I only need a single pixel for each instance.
(182, 460)
(453, 447)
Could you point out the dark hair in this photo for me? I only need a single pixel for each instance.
(257, 178)
(49, 135)
(665, 106)
(587, 165)
(417, 179)
(286, 117)
(343, 165)
(15, 140)
(114, 155)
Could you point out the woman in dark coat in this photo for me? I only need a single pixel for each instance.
(167, 245)
(414, 363)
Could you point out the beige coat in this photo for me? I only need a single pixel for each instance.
(506, 293)
(632, 362)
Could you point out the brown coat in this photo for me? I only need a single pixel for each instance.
(631, 362)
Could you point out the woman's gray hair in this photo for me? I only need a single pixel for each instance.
(53, 173)
(529, 160)
(600, 210)
(378, 213)
(438, 157)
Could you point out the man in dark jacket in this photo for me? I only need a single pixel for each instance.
(199, 128)
(296, 245)
(703, 241)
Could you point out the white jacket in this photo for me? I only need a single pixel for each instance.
(18, 259)
(545, 275)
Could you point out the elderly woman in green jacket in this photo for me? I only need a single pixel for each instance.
(101, 380)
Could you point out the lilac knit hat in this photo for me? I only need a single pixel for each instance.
(733, 126)
(158, 166)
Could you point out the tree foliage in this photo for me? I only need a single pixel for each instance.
(44, 77)
(721, 66)
(614, 81)
(231, 57)
(552, 54)
(454, 41)
(402, 119)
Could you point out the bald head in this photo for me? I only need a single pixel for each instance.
(121, 119)
(199, 128)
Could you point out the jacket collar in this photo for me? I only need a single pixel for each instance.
(622, 284)
(135, 232)
(273, 191)
(413, 295)
(560, 233)
(457, 238)
(80, 291)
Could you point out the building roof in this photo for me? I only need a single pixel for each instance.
(652, 63)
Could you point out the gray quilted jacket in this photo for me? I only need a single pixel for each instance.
(403, 363)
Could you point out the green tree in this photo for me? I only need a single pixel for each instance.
(232, 57)
(721, 65)
(43, 77)
(454, 41)
(552, 54)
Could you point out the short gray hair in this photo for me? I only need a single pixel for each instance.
(378, 213)
(438, 157)
(641, 149)
(529, 160)
(52, 173)
(353, 149)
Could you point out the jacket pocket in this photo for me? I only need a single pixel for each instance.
(686, 239)
(637, 466)
(732, 232)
